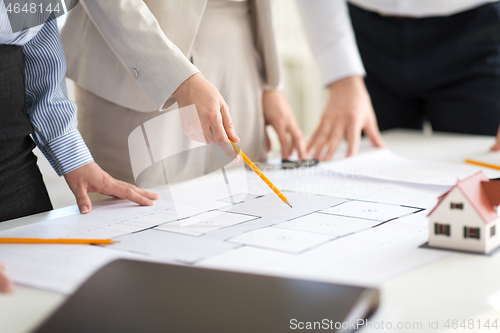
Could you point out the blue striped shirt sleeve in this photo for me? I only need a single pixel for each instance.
(52, 114)
(15, 38)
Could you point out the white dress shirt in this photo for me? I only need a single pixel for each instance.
(419, 8)
(328, 28)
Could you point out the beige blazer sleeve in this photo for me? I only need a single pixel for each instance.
(117, 50)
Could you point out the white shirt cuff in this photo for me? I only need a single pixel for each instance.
(67, 152)
(338, 62)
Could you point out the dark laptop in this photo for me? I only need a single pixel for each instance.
(142, 297)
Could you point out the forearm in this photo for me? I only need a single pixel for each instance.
(329, 31)
(51, 113)
(133, 33)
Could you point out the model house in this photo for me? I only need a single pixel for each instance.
(466, 217)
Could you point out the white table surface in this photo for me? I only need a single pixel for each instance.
(458, 287)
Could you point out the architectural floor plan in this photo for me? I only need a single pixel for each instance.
(370, 234)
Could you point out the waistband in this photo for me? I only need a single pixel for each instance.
(11, 56)
(418, 16)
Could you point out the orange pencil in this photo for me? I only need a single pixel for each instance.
(493, 166)
(55, 241)
(260, 174)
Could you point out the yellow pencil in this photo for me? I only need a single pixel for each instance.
(260, 174)
(493, 166)
(55, 241)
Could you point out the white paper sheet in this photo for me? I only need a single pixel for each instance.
(170, 247)
(239, 198)
(279, 239)
(56, 267)
(348, 260)
(328, 224)
(258, 233)
(204, 223)
(383, 164)
(370, 210)
(191, 210)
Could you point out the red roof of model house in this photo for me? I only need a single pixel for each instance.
(483, 194)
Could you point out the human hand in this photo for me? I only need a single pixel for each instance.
(212, 110)
(213, 114)
(348, 112)
(91, 178)
(496, 146)
(6, 285)
(278, 113)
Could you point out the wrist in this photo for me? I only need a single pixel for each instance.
(350, 88)
(271, 93)
(355, 81)
(184, 87)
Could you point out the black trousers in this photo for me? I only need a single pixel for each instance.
(444, 69)
(22, 191)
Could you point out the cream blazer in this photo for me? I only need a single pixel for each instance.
(135, 53)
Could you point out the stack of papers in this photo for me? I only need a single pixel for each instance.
(385, 165)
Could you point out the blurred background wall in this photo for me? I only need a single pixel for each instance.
(301, 80)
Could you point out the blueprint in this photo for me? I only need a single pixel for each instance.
(340, 229)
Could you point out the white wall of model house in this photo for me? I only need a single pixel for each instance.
(457, 219)
(494, 241)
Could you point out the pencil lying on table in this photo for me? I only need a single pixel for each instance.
(55, 241)
(484, 164)
(260, 174)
